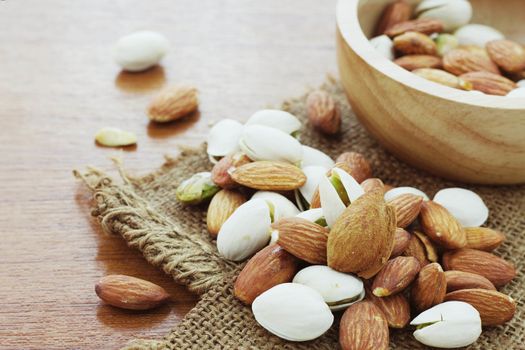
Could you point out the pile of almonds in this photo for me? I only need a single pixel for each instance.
(325, 236)
(435, 42)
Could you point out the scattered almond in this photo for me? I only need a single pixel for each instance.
(220, 174)
(357, 165)
(444, 78)
(114, 137)
(465, 280)
(483, 238)
(412, 62)
(401, 241)
(460, 61)
(363, 326)
(394, 13)
(489, 83)
(269, 176)
(407, 208)
(372, 184)
(222, 205)
(429, 288)
(396, 308)
(430, 249)
(507, 54)
(414, 43)
(173, 103)
(395, 276)
(423, 25)
(416, 249)
(323, 112)
(441, 226)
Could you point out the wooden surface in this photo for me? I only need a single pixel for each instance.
(59, 85)
(453, 133)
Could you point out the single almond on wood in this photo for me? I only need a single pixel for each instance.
(357, 165)
(483, 238)
(395, 276)
(401, 241)
(269, 176)
(490, 266)
(417, 250)
(440, 226)
(430, 249)
(414, 43)
(459, 61)
(489, 83)
(173, 103)
(465, 280)
(423, 25)
(507, 54)
(269, 267)
(494, 308)
(394, 13)
(220, 173)
(372, 184)
(363, 326)
(412, 62)
(444, 78)
(429, 288)
(396, 308)
(130, 293)
(222, 205)
(323, 112)
(302, 238)
(407, 208)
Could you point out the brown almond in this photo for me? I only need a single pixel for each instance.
(429, 288)
(323, 112)
(302, 238)
(412, 62)
(460, 61)
(363, 326)
(490, 266)
(413, 43)
(220, 173)
(489, 83)
(483, 238)
(173, 103)
(444, 78)
(395, 276)
(221, 207)
(465, 280)
(407, 208)
(372, 184)
(316, 200)
(494, 308)
(357, 165)
(422, 25)
(130, 293)
(416, 249)
(401, 241)
(507, 54)
(396, 308)
(430, 249)
(394, 13)
(269, 267)
(440, 226)
(269, 176)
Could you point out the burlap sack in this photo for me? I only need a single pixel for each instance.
(144, 211)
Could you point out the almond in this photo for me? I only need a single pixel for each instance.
(363, 326)
(357, 165)
(490, 266)
(429, 288)
(401, 241)
(483, 238)
(489, 83)
(394, 13)
(395, 276)
(222, 205)
(407, 208)
(316, 200)
(396, 308)
(372, 184)
(441, 226)
(460, 61)
(130, 293)
(302, 238)
(323, 112)
(423, 25)
(220, 174)
(412, 62)
(414, 43)
(173, 103)
(269, 176)
(269, 267)
(507, 54)
(444, 78)
(494, 308)
(416, 249)
(430, 249)
(465, 280)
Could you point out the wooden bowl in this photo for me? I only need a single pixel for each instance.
(448, 132)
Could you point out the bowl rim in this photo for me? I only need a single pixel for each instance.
(350, 29)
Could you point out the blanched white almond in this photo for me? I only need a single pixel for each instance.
(452, 13)
(223, 138)
(339, 290)
(261, 142)
(246, 231)
(452, 324)
(393, 193)
(140, 50)
(314, 157)
(114, 137)
(477, 34)
(466, 206)
(293, 311)
(384, 45)
(277, 119)
(282, 206)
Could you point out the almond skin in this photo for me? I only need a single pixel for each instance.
(395, 276)
(363, 326)
(489, 83)
(323, 112)
(401, 241)
(412, 62)
(130, 293)
(483, 238)
(407, 208)
(396, 308)
(394, 13)
(269, 176)
(430, 249)
(490, 266)
(413, 43)
(423, 25)
(357, 165)
(269, 267)
(417, 250)
(494, 308)
(220, 174)
(507, 54)
(373, 183)
(440, 226)
(302, 238)
(465, 280)
(173, 103)
(460, 61)
(222, 205)
(429, 288)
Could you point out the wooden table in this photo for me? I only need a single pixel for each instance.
(59, 85)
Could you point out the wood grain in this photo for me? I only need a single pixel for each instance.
(59, 85)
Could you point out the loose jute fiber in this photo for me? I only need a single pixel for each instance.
(144, 211)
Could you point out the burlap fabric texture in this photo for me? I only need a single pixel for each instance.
(144, 211)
